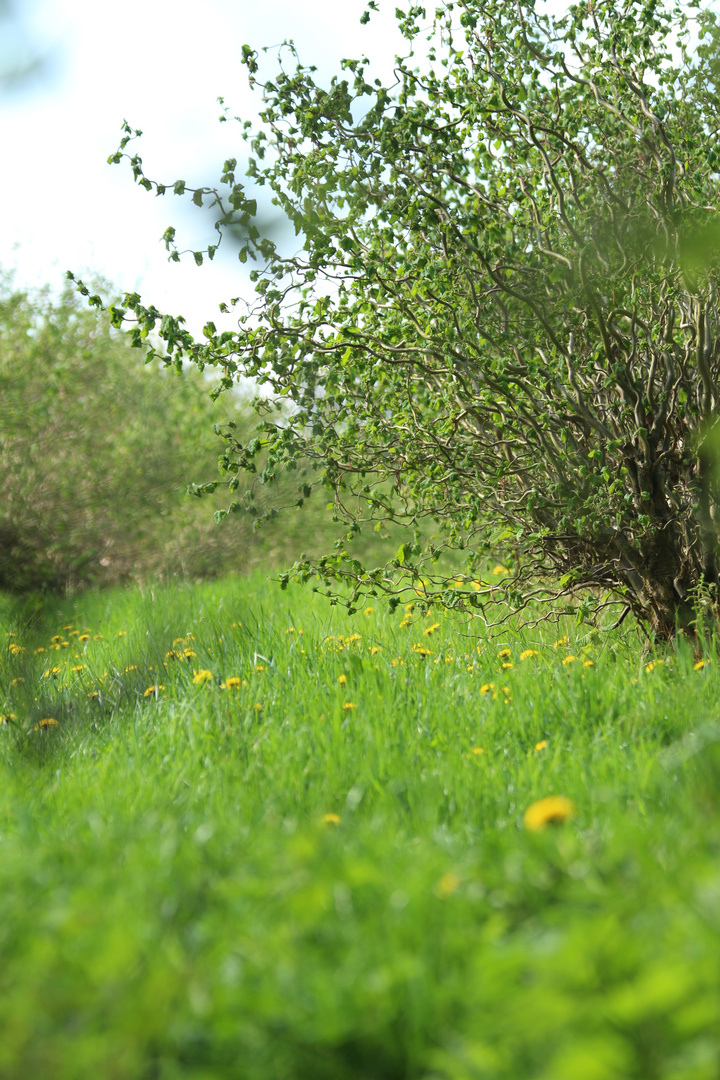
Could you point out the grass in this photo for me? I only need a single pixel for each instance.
(240, 875)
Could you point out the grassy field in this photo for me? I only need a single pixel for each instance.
(244, 835)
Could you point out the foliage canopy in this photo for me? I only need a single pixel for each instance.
(504, 317)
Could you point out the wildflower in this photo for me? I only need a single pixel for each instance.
(448, 884)
(374, 650)
(291, 630)
(189, 653)
(15, 649)
(7, 718)
(233, 683)
(55, 638)
(569, 659)
(202, 676)
(122, 633)
(68, 627)
(504, 654)
(552, 810)
(431, 629)
(477, 750)
(93, 693)
(78, 667)
(154, 690)
(260, 667)
(368, 611)
(398, 662)
(407, 621)
(498, 570)
(16, 682)
(410, 607)
(43, 725)
(508, 666)
(342, 680)
(653, 664)
(331, 819)
(258, 707)
(527, 653)
(348, 706)
(73, 633)
(84, 637)
(421, 650)
(97, 637)
(487, 687)
(132, 667)
(40, 650)
(560, 641)
(541, 745)
(700, 665)
(588, 663)
(448, 659)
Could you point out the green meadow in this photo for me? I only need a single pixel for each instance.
(243, 834)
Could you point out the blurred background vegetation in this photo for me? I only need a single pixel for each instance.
(96, 453)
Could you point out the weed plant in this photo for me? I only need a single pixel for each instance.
(245, 835)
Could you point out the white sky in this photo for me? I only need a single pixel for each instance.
(160, 64)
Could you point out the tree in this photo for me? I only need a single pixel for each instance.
(504, 319)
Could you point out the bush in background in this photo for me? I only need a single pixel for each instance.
(96, 454)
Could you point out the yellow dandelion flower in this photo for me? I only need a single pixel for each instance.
(552, 810)
(527, 653)
(421, 650)
(431, 629)
(48, 722)
(78, 667)
(700, 665)
(202, 676)
(233, 683)
(407, 621)
(189, 653)
(375, 649)
(498, 570)
(487, 687)
(348, 706)
(97, 637)
(122, 633)
(258, 707)
(477, 750)
(40, 650)
(569, 659)
(653, 664)
(398, 662)
(153, 690)
(588, 663)
(410, 606)
(93, 693)
(84, 637)
(448, 884)
(260, 667)
(15, 649)
(368, 611)
(560, 641)
(541, 745)
(16, 682)
(504, 653)
(68, 627)
(508, 666)
(342, 679)
(7, 718)
(131, 667)
(331, 819)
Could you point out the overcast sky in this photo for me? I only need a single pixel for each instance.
(160, 64)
